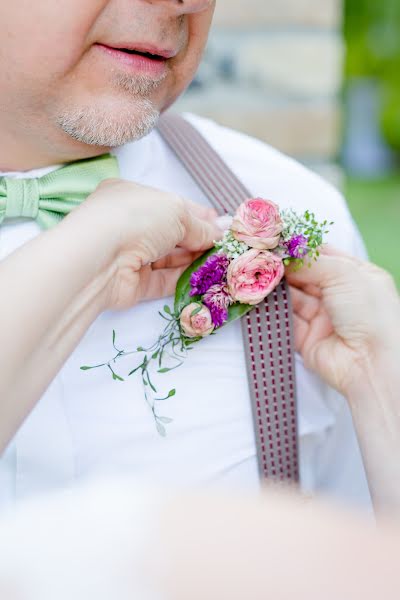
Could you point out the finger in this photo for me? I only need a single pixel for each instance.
(330, 250)
(312, 290)
(180, 257)
(206, 213)
(301, 328)
(199, 234)
(304, 305)
(161, 283)
(224, 222)
(323, 272)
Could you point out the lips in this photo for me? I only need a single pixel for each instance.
(138, 53)
(146, 59)
(148, 50)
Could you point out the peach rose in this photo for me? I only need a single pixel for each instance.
(258, 224)
(253, 275)
(196, 320)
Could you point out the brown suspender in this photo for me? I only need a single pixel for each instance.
(266, 330)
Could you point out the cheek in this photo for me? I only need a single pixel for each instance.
(46, 37)
(198, 26)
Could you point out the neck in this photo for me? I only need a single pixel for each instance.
(25, 153)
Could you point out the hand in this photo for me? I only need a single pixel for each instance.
(346, 314)
(153, 237)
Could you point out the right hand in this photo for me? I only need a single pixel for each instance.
(150, 236)
(347, 317)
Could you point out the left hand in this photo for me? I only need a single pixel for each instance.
(346, 316)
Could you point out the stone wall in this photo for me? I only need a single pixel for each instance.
(273, 69)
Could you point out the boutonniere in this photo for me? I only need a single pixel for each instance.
(221, 286)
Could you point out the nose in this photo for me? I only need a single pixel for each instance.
(187, 6)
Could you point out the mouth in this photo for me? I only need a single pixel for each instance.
(139, 53)
(145, 59)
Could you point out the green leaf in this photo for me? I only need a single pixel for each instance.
(182, 297)
(164, 370)
(113, 337)
(170, 394)
(117, 377)
(196, 311)
(84, 368)
(237, 311)
(167, 309)
(134, 370)
(140, 349)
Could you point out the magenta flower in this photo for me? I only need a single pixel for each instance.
(218, 300)
(298, 246)
(212, 272)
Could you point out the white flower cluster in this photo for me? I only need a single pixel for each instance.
(291, 224)
(230, 246)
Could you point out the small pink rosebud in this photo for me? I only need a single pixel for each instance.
(258, 224)
(254, 275)
(196, 320)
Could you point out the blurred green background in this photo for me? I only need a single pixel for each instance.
(371, 152)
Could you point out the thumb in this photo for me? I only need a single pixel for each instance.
(329, 269)
(199, 234)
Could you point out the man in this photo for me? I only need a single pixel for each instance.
(79, 79)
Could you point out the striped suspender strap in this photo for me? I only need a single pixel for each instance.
(266, 330)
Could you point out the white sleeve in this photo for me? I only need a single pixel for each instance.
(80, 545)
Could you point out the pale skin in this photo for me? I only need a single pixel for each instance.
(51, 66)
(347, 324)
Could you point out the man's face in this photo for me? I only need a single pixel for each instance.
(82, 67)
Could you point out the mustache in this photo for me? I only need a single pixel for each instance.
(173, 33)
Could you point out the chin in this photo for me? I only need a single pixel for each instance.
(111, 123)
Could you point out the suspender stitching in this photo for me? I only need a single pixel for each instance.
(218, 183)
(218, 165)
(265, 392)
(295, 464)
(198, 176)
(273, 383)
(259, 415)
(282, 381)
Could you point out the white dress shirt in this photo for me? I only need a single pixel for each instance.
(87, 425)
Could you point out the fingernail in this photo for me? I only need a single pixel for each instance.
(224, 222)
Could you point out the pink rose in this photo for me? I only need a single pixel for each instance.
(253, 275)
(196, 320)
(258, 224)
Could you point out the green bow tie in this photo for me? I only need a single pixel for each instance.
(49, 198)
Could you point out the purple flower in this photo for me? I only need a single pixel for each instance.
(298, 246)
(218, 300)
(212, 272)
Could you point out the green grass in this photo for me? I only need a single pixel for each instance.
(375, 206)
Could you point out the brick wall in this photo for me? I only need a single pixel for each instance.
(273, 69)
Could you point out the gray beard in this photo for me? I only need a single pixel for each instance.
(103, 125)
